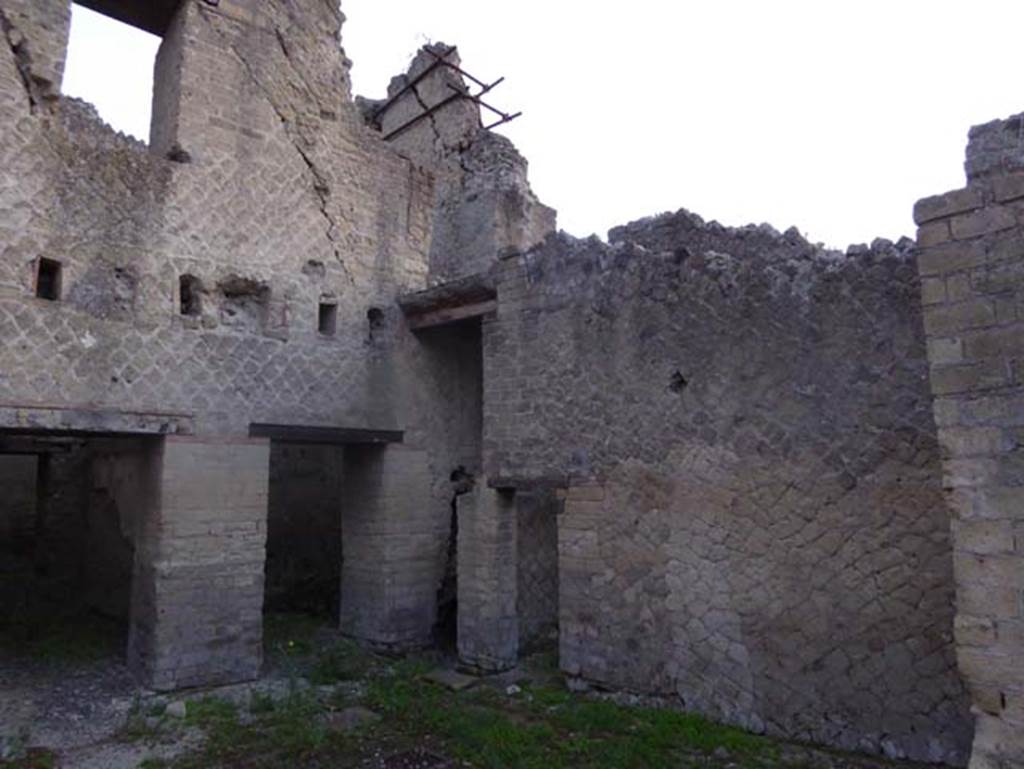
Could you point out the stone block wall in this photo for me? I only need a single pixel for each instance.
(488, 624)
(197, 587)
(277, 200)
(36, 32)
(390, 540)
(754, 526)
(484, 206)
(971, 263)
(115, 510)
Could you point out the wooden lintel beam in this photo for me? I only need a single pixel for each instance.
(338, 436)
(451, 314)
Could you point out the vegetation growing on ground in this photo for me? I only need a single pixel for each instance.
(536, 724)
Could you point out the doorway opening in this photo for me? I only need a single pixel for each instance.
(302, 589)
(71, 513)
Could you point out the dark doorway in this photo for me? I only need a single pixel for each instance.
(68, 519)
(303, 570)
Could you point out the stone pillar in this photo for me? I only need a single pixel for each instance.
(389, 569)
(197, 587)
(220, 66)
(578, 554)
(488, 625)
(971, 265)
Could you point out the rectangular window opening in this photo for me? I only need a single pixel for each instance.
(48, 279)
(327, 322)
(190, 296)
(110, 60)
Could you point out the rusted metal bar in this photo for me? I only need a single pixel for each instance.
(423, 115)
(475, 98)
(483, 89)
(457, 68)
(504, 120)
(439, 61)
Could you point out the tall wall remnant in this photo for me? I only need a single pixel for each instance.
(971, 263)
(704, 461)
(753, 521)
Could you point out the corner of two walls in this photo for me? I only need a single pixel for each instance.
(754, 526)
(971, 262)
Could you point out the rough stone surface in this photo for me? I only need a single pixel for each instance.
(192, 274)
(976, 344)
(705, 459)
(754, 518)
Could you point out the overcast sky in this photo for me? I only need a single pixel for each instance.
(831, 115)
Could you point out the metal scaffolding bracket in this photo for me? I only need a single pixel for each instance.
(442, 60)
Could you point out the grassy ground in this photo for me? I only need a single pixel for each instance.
(538, 728)
(419, 724)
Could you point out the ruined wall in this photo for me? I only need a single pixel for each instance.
(304, 529)
(197, 582)
(754, 524)
(972, 272)
(266, 196)
(280, 199)
(483, 204)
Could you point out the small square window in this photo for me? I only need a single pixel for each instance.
(48, 279)
(190, 296)
(327, 321)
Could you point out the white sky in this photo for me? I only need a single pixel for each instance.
(833, 115)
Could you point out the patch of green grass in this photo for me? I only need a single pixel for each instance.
(210, 711)
(286, 734)
(156, 709)
(261, 703)
(34, 758)
(291, 634)
(343, 661)
(545, 728)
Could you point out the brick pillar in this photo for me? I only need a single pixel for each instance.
(971, 265)
(197, 588)
(389, 570)
(488, 625)
(578, 552)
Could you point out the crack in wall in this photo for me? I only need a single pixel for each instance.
(321, 185)
(22, 59)
(455, 152)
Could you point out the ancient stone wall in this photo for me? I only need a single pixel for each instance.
(754, 525)
(972, 272)
(483, 205)
(285, 202)
(197, 586)
(113, 517)
(240, 269)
